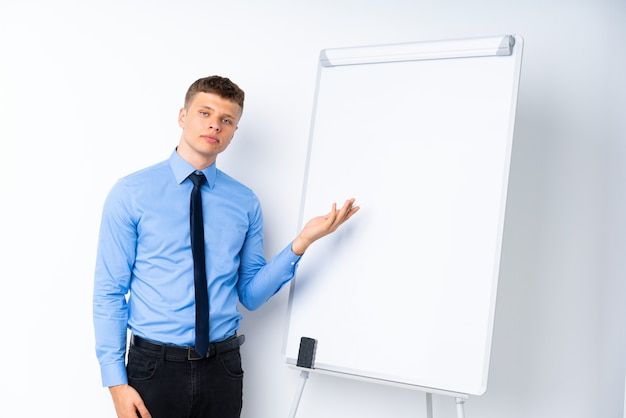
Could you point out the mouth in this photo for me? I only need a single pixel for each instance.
(210, 139)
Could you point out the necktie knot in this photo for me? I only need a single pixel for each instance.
(197, 178)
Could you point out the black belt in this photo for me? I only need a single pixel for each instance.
(172, 352)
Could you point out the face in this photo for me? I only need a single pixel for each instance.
(209, 123)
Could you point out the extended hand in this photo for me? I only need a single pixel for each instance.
(321, 226)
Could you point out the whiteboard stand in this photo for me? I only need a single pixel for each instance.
(460, 410)
(459, 398)
(304, 375)
(429, 405)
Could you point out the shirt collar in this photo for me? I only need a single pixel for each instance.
(182, 169)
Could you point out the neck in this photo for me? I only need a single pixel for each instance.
(197, 161)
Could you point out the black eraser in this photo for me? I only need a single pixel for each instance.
(306, 354)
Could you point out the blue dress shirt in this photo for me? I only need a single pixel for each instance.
(144, 268)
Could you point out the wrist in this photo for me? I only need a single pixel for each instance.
(299, 245)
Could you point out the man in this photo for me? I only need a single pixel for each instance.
(145, 254)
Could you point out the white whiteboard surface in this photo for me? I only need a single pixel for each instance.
(405, 292)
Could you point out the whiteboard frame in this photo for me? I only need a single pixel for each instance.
(447, 49)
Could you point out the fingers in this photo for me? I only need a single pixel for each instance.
(351, 209)
(143, 411)
(338, 217)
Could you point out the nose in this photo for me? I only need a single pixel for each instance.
(216, 125)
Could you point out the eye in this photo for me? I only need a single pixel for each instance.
(203, 113)
(226, 121)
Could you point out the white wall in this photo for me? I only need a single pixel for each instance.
(89, 91)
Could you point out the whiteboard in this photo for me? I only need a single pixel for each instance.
(421, 135)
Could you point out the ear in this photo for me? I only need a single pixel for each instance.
(182, 113)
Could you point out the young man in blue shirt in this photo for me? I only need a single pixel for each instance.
(144, 279)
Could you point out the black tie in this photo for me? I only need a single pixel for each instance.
(199, 270)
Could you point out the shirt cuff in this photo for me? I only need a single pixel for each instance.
(113, 375)
(292, 257)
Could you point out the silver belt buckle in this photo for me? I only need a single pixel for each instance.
(192, 354)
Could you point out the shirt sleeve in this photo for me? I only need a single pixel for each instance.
(114, 261)
(260, 280)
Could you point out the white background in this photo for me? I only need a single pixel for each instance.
(89, 91)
